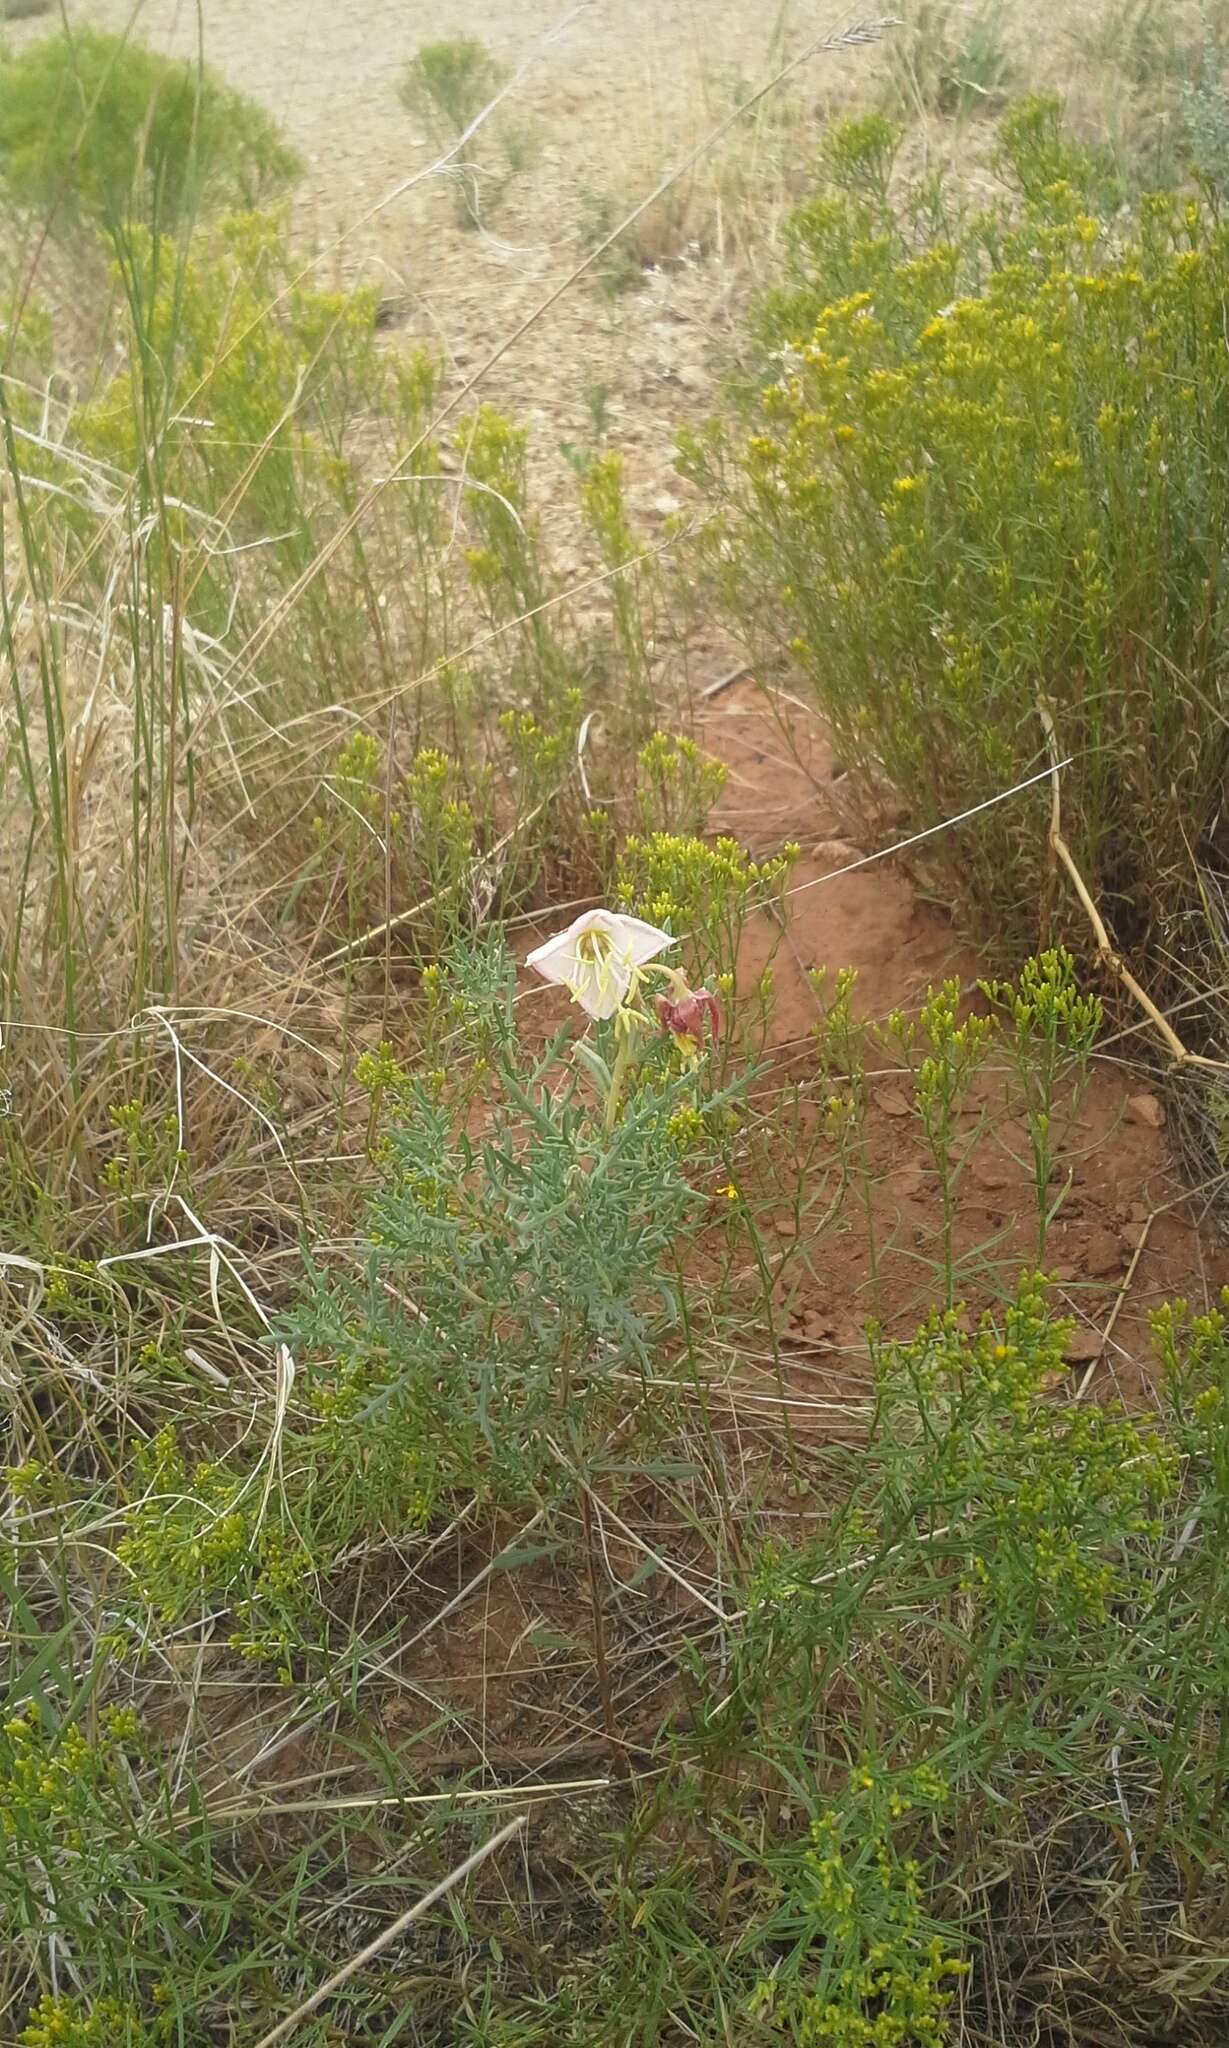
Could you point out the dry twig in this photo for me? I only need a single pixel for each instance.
(1107, 956)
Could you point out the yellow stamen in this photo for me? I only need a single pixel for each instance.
(597, 950)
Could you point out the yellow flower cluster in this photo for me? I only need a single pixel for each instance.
(67, 2022)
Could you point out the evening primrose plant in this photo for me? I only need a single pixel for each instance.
(541, 1254)
(540, 1249)
(604, 959)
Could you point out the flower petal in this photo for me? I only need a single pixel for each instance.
(600, 986)
(644, 941)
(563, 944)
(600, 995)
(556, 959)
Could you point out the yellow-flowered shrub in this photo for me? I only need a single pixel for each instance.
(983, 488)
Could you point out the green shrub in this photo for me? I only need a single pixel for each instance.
(984, 487)
(447, 85)
(95, 127)
(1057, 1794)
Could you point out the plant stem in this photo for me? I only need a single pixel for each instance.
(618, 1755)
(619, 1072)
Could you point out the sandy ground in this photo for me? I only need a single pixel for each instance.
(603, 75)
(1126, 1238)
(616, 92)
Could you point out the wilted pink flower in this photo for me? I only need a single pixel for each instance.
(684, 1016)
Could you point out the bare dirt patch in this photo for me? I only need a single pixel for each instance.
(1127, 1236)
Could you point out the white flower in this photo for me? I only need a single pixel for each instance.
(597, 958)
